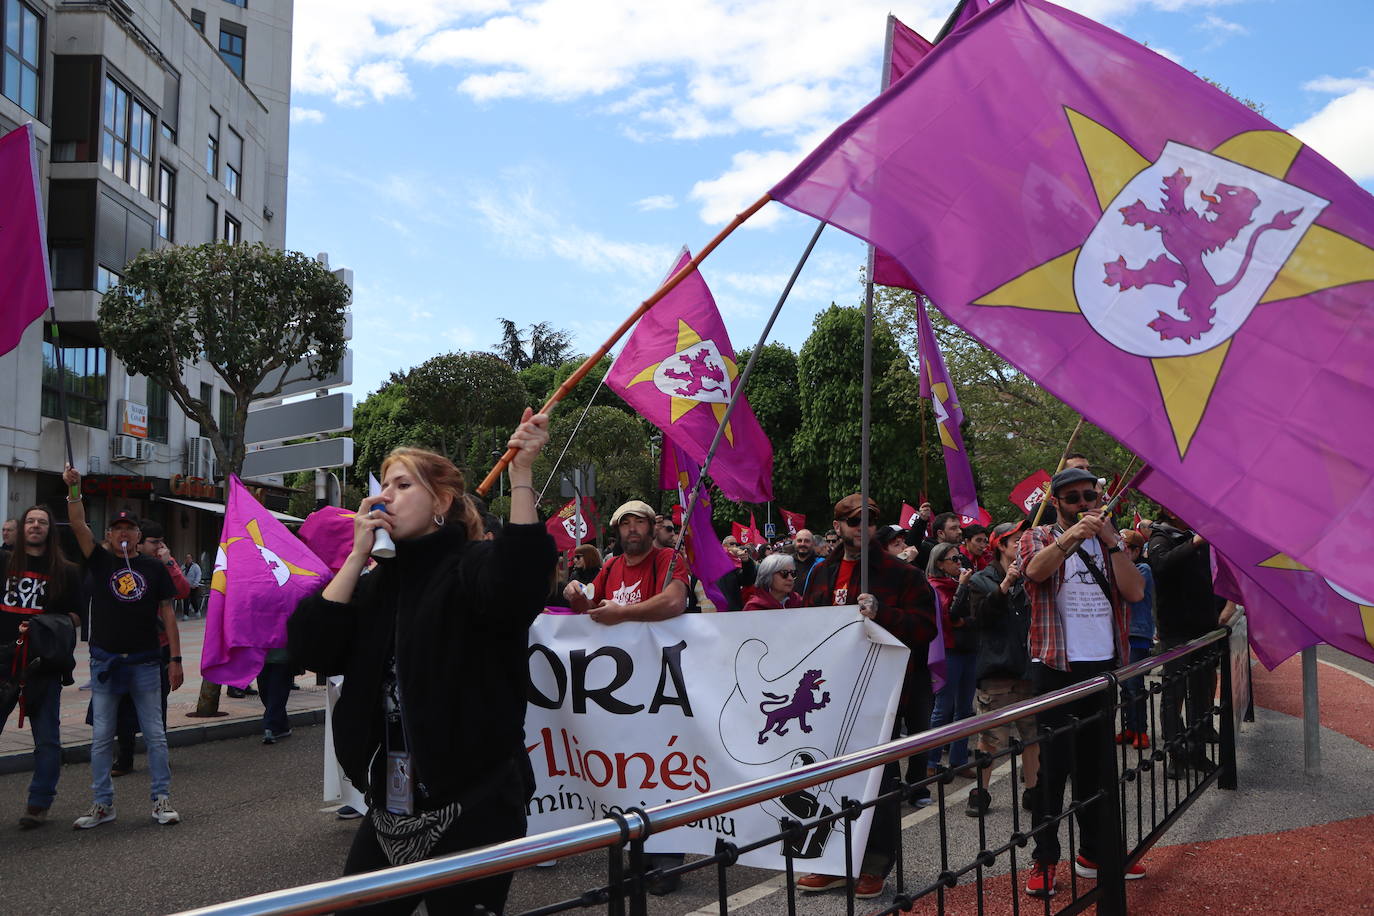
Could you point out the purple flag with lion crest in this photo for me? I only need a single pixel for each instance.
(1191, 278)
(678, 370)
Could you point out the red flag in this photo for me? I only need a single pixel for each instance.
(569, 527)
(910, 517)
(1030, 492)
(795, 522)
(983, 518)
(749, 535)
(740, 532)
(25, 286)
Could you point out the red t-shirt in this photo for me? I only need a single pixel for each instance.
(625, 584)
(843, 582)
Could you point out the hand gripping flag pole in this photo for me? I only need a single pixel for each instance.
(571, 382)
(1063, 460)
(736, 394)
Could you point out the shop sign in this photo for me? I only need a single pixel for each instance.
(117, 485)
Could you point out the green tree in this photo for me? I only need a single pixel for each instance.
(541, 344)
(826, 449)
(248, 311)
(616, 443)
(462, 396)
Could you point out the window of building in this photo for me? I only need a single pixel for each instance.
(171, 103)
(214, 219)
(242, 3)
(232, 39)
(127, 137)
(233, 230)
(166, 200)
(87, 372)
(198, 20)
(157, 411)
(212, 146)
(207, 395)
(233, 164)
(23, 34)
(226, 413)
(105, 279)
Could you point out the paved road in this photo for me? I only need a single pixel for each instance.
(253, 822)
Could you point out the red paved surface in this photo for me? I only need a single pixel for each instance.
(1347, 703)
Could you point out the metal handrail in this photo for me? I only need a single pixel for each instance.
(432, 874)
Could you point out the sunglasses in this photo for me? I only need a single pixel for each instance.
(789, 573)
(855, 521)
(1079, 496)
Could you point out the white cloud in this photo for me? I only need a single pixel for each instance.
(1214, 23)
(1343, 130)
(306, 115)
(656, 202)
(514, 215)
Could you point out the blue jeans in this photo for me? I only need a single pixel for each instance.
(43, 705)
(1133, 715)
(145, 689)
(955, 702)
(274, 686)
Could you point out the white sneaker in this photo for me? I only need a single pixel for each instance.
(99, 814)
(163, 812)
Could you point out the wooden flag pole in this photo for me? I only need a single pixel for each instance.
(62, 392)
(1063, 459)
(571, 382)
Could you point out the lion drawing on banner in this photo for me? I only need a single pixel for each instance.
(1187, 235)
(700, 371)
(784, 709)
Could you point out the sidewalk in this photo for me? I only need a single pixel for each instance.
(244, 717)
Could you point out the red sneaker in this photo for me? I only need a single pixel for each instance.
(814, 884)
(1041, 880)
(1142, 740)
(1087, 868)
(869, 886)
(1125, 736)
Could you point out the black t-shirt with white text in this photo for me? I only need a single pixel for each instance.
(31, 593)
(125, 595)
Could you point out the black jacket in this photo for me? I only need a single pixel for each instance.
(1185, 606)
(465, 608)
(1003, 623)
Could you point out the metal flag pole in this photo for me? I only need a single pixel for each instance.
(571, 382)
(736, 393)
(867, 414)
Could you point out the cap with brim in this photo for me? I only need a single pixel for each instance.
(634, 507)
(1070, 476)
(123, 517)
(853, 503)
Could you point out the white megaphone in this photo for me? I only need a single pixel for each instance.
(382, 544)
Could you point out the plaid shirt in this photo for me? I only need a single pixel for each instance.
(1047, 641)
(905, 602)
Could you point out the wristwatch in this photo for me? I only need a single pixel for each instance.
(1115, 548)
(175, 658)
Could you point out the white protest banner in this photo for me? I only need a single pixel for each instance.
(638, 714)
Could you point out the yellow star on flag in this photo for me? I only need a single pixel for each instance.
(1323, 259)
(1284, 561)
(680, 406)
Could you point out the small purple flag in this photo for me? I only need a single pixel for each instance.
(678, 370)
(262, 571)
(1190, 278)
(706, 557)
(25, 287)
(328, 533)
(939, 387)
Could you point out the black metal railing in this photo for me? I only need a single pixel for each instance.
(1139, 789)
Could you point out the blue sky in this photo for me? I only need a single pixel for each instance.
(546, 160)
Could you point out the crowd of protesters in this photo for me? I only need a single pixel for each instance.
(1022, 608)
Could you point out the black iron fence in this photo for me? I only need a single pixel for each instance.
(1129, 786)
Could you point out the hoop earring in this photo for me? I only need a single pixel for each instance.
(439, 520)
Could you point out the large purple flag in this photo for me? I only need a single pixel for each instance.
(1151, 251)
(678, 370)
(939, 387)
(706, 557)
(1288, 606)
(25, 287)
(261, 572)
(905, 49)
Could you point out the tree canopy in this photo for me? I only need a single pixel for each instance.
(251, 312)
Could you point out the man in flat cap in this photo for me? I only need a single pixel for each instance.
(631, 586)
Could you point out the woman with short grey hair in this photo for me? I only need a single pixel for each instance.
(773, 584)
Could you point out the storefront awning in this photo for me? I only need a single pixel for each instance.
(218, 508)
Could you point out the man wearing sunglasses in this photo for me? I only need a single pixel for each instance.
(901, 601)
(1079, 579)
